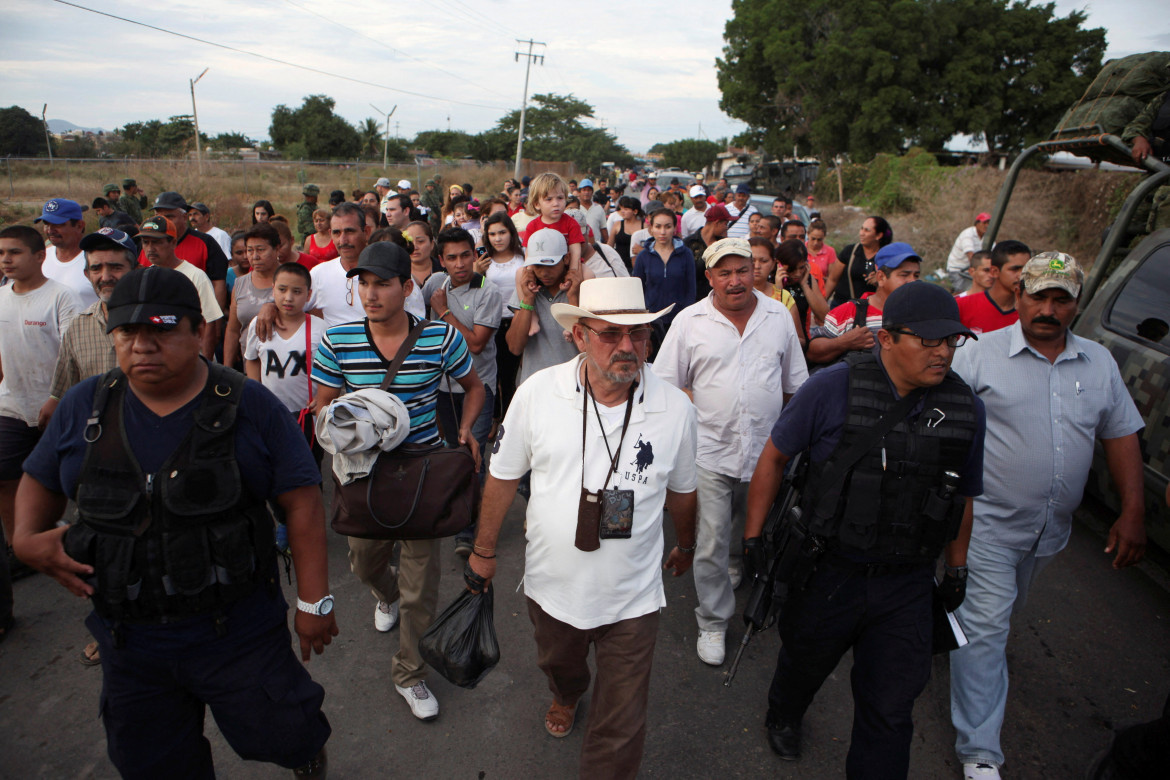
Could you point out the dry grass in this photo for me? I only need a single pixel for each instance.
(1048, 210)
(229, 187)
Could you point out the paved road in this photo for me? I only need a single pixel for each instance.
(1088, 651)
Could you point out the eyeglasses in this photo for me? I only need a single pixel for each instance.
(954, 342)
(349, 291)
(614, 336)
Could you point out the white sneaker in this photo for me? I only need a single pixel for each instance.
(385, 616)
(711, 647)
(422, 702)
(735, 571)
(980, 771)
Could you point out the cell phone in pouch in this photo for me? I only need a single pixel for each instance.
(617, 514)
(588, 536)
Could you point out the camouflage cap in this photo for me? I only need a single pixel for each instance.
(106, 190)
(1052, 269)
(310, 189)
(129, 183)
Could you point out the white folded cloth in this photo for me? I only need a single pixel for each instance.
(359, 425)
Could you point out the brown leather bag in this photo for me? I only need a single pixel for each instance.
(412, 492)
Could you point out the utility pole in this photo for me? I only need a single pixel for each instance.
(386, 137)
(195, 115)
(396, 125)
(529, 57)
(48, 138)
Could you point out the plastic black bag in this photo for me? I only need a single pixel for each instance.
(461, 644)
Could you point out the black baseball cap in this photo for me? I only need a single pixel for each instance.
(107, 237)
(384, 259)
(925, 309)
(153, 296)
(200, 207)
(170, 200)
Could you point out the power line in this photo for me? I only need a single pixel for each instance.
(274, 59)
(395, 50)
(459, 8)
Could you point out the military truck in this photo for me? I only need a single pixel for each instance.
(1124, 304)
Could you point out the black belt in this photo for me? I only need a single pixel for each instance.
(839, 561)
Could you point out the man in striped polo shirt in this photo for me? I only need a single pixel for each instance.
(354, 355)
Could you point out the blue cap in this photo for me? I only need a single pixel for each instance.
(743, 189)
(926, 309)
(585, 183)
(107, 235)
(58, 211)
(893, 255)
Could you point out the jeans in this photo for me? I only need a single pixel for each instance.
(722, 504)
(887, 621)
(960, 281)
(998, 579)
(450, 411)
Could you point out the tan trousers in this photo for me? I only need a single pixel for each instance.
(414, 582)
(623, 651)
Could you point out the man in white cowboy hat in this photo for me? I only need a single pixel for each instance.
(737, 353)
(608, 444)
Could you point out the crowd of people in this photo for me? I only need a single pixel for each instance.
(700, 345)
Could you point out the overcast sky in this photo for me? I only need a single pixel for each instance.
(646, 66)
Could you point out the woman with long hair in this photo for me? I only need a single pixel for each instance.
(793, 257)
(319, 244)
(238, 262)
(262, 211)
(666, 268)
(453, 192)
(854, 273)
(501, 262)
(630, 223)
(252, 291)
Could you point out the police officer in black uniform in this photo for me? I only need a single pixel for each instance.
(880, 508)
(171, 460)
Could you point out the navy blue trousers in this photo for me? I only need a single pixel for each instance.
(262, 698)
(886, 620)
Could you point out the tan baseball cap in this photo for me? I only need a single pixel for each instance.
(724, 247)
(1053, 269)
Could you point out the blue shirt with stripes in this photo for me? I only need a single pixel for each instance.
(348, 359)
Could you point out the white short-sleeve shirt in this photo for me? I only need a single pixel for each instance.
(542, 433)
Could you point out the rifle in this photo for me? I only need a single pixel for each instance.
(784, 536)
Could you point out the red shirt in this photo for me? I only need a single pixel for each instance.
(982, 314)
(201, 251)
(566, 225)
(308, 260)
(327, 252)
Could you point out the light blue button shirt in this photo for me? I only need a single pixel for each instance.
(1042, 421)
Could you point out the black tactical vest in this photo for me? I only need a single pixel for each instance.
(184, 541)
(897, 504)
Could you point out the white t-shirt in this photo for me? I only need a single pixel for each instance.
(693, 220)
(606, 262)
(210, 306)
(223, 238)
(542, 432)
(334, 294)
(31, 327)
(283, 365)
(503, 276)
(738, 381)
(595, 218)
(71, 274)
(968, 241)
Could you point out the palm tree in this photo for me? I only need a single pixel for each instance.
(371, 133)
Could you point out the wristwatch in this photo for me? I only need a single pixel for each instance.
(958, 572)
(319, 608)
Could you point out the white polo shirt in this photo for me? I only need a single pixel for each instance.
(542, 432)
(737, 381)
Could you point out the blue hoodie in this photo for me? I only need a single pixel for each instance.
(666, 283)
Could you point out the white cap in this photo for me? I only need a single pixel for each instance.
(546, 247)
(404, 184)
(697, 191)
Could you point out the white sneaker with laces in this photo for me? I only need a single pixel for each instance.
(711, 647)
(385, 616)
(980, 771)
(422, 702)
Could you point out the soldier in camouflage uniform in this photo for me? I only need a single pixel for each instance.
(133, 200)
(432, 199)
(305, 212)
(1149, 134)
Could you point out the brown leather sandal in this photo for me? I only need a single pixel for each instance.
(91, 655)
(562, 716)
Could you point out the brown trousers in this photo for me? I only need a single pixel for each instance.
(415, 581)
(623, 652)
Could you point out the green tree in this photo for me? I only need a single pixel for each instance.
(370, 131)
(21, 133)
(314, 125)
(553, 130)
(690, 154)
(444, 143)
(154, 138)
(230, 142)
(869, 76)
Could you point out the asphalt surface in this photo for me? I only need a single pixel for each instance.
(1089, 651)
